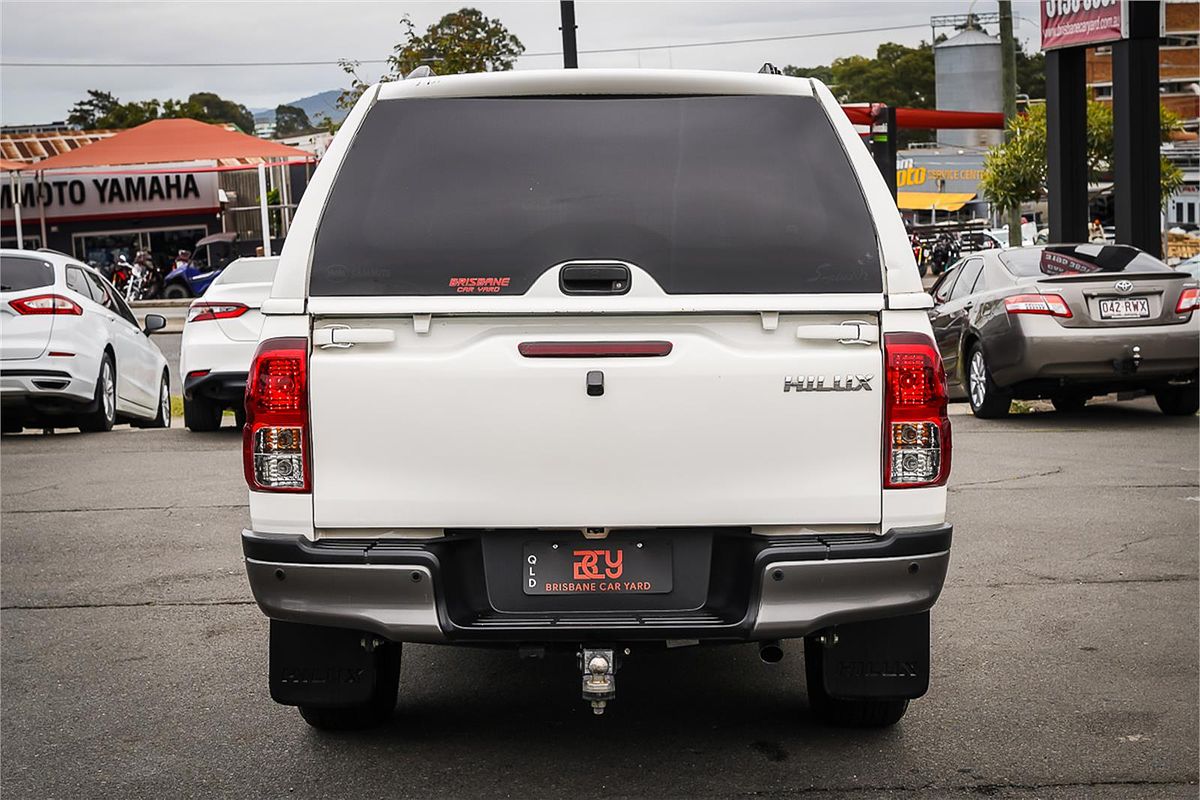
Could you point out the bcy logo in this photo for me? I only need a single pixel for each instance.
(586, 566)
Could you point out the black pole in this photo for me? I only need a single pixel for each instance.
(570, 54)
(883, 144)
(1136, 138)
(1066, 145)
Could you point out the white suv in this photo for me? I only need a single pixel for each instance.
(593, 361)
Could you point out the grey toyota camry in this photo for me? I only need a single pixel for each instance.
(1068, 322)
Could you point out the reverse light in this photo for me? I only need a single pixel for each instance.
(45, 304)
(1049, 304)
(198, 312)
(916, 426)
(275, 439)
(1189, 301)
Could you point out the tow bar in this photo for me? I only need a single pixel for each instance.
(599, 685)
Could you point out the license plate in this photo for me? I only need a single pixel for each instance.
(583, 566)
(1125, 308)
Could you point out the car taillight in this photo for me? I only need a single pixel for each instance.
(198, 312)
(1189, 300)
(45, 304)
(916, 427)
(275, 439)
(1050, 304)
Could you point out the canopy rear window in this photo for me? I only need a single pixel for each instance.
(1079, 259)
(708, 194)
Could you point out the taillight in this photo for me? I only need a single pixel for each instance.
(198, 312)
(1189, 300)
(275, 439)
(45, 304)
(1050, 304)
(915, 425)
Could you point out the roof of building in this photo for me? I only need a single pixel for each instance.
(27, 147)
(166, 141)
(971, 36)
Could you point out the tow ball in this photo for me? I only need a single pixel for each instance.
(599, 684)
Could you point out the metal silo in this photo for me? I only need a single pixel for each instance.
(967, 73)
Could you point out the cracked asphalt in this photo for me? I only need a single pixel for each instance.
(1065, 648)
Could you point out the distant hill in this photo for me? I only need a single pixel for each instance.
(316, 105)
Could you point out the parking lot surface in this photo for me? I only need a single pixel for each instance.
(1064, 653)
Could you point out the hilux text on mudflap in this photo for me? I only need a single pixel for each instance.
(595, 362)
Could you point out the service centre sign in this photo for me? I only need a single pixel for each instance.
(100, 194)
(1082, 23)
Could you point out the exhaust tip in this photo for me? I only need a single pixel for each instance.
(770, 652)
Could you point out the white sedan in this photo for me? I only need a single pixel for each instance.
(219, 339)
(71, 351)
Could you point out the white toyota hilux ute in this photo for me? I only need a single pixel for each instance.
(593, 362)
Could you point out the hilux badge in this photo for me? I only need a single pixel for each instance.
(1123, 286)
(818, 383)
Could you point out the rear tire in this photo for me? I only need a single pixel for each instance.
(239, 416)
(176, 291)
(1179, 401)
(105, 414)
(1069, 403)
(201, 415)
(988, 401)
(845, 713)
(11, 423)
(375, 711)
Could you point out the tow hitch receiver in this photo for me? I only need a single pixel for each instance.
(599, 685)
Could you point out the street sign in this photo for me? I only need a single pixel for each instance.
(1075, 23)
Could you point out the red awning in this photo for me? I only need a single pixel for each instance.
(11, 166)
(169, 140)
(931, 118)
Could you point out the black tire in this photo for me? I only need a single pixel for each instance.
(1179, 401)
(375, 711)
(839, 712)
(201, 415)
(1069, 402)
(988, 401)
(11, 423)
(104, 415)
(239, 416)
(175, 291)
(162, 419)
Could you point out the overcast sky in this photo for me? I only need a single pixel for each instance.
(246, 30)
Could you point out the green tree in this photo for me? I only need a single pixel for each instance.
(103, 110)
(1015, 172)
(1031, 73)
(210, 107)
(897, 75)
(462, 41)
(291, 121)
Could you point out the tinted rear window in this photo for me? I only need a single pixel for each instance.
(18, 273)
(719, 195)
(1079, 259)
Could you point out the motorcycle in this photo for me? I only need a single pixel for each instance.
(945, 252)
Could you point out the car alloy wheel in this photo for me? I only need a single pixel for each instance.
(977, 379)
(164, 404)
(108, 394)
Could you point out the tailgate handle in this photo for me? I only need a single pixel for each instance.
(594, 279)
(342, 336)
(851, 332)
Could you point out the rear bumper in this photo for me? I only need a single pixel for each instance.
(45, 388)
(227, 387)
(434, 591)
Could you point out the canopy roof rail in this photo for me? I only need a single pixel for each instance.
(423, 71)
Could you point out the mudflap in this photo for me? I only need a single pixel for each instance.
(886, 659)
(322, 667)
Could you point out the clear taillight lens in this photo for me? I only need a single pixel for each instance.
(45, 304)
(1189, 300)
(275, 440)
(916, 427)
(1049, 304)
(198, 312)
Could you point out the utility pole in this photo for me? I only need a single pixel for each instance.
(1008, 76)
(570, 54)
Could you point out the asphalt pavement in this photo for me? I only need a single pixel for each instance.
(1064, 648)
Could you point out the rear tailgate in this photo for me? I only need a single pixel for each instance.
(455, 428)
(24, 336)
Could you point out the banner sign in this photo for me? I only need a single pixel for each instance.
(84, 195)
(1082, 23)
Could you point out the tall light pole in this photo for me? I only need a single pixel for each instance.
(1008, 77)
(570, 54)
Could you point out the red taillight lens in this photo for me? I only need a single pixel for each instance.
(1049, 304)
(916, 429)
(1189, 301)
(45, 304)
(198, 312)
(275, 440)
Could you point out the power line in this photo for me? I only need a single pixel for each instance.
(597, 51)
